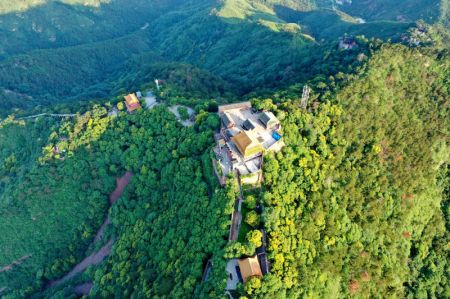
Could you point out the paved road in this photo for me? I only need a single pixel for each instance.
(150, 102)
(186, 123)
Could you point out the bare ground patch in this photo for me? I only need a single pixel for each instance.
(97, 257)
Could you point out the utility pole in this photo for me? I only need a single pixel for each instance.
(305, 97)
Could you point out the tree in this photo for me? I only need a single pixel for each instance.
(252, 218)
(184, 114)
(250, 201)
(254, 237)
(253, 284)
(213, 106)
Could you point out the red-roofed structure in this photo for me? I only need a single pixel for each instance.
(132, 102)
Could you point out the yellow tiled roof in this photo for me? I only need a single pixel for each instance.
(249, 267)
(247, 144)
(131, 99)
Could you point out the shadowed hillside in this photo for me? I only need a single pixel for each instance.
(404, 11)
(83, 49)
(59, 24)
(7, 6)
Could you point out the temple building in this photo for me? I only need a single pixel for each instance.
(247, 144)
(269, 120)
(132, 102)
(249, 268)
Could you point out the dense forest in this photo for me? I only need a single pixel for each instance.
(82, 52)
(172, 175)
(356, 204)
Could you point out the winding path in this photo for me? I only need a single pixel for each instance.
(97, 257)
(46, 114)
(121, 183)
(93, 259)
(15, 263)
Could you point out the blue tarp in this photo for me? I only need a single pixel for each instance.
(276, 136)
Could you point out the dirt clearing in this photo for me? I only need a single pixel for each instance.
(121, 183)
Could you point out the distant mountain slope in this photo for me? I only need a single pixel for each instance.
(61, 73)
(190, 33)
(329, 19)
(248, 43)
(7, 6)
(329, 24)
(57, 24)
(407, 11)
(371, 10)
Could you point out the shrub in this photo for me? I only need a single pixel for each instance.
(252, 219)
(254, 237)
(250, 201)
(252, 284)
(184, 114)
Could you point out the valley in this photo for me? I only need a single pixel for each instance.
(112, 58)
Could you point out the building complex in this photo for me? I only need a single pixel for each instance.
(245, 135)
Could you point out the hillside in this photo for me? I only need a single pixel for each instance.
(356, 203)
(348, 139)
(94, 45)
(56, 24)
(326, 24)
(405, 11)
(340, 191)
(78, 179)
(9, 7)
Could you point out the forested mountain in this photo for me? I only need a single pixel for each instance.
(428, 10)
(356, 201)
(56, 24)
(92, 44)
(8, 6)
(99, 202)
